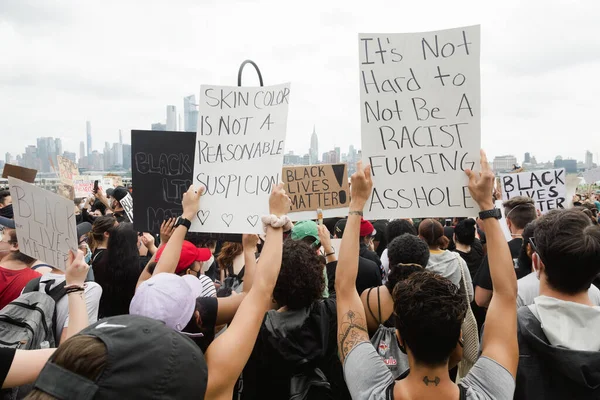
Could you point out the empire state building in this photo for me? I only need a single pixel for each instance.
(314, 147)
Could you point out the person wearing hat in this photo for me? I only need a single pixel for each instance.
(367, 249)
(15, 267)
(119, 193)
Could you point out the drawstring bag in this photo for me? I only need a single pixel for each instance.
(385, 342)
(469, 330)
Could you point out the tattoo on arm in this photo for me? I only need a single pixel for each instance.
(427, 381)
(351, 332)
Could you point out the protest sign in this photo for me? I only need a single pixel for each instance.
(311, 187)
(239, 155)
(66, 191)
(420, 121)
(84, 185)
(127, 204)
(591, 176)
(67, 170)
(22, 173)
(45, 223)
(547, 188)
(162, 171)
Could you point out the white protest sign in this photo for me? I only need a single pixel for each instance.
(127, 204)
(547, 188)
(239, 155)
(84, 185)
(591, 176)
(420, 121)
(45, 222)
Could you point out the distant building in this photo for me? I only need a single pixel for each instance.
(314, 147)
(127, 156)
(589, 159)
(190, 114)
(527, 159)
(159, 127)
(504, 163)
(306, 159)
(171, 118)
(570, 166)
(71, 156)
(8, 158)
(81, 150)
(120, 137)
(292, 159)
(88, 129)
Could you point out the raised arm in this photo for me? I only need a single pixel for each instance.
(228, 354)
(76, 273)
(352, 325)
(500, 334)
(249, 243)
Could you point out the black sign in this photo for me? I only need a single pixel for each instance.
(162, 165)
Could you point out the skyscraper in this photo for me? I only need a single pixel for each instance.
(88, 128)
(527, 158)
(314, 147)
(81, 150)
(190, 113)
(589, 159)
(120, 137)
(171, 118)
(159, 127)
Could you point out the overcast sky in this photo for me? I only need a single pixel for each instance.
(119, 63)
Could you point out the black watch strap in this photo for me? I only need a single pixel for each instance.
(493, 213)
(183, 221)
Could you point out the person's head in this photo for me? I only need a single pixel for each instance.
(9, 245)
(119, 193)
(100, 232)
(5, 198)
(367, 233)
(340, 226)
(567, 251)
(229, 251)
(524, 259)
(432, 232)
(379, 236)
(519, 211)
(98, 207)
(190, 259)
(399, 227)
(429, 312)
(106, 360)
(300, 281)
(592, 209)
(307, 232)
(407, 253)
(464, 232)
(588, 213)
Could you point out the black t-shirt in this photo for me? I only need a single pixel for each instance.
(473, 258)
(6, 358)
(368, 276)
(483, 279)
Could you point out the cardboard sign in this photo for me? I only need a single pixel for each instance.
(420, 121)
(239, 155)
(45, 223)
(127, 204)
(66, 191)
(67, 170)
(546, 187)
(312, 187)
(591, 176)
(162, 171)
(22, 173)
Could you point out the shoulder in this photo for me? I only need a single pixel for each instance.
(93, 289)
(365, 373)
(489, 380)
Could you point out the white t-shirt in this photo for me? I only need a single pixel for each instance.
(529, 289)
(92, 294)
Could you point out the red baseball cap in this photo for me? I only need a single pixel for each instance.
(366, 228)
(189, 254)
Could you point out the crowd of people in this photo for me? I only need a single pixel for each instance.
(404, 309)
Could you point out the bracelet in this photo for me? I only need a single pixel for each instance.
(75, 289)
(359, 213)
(75, 286)
(330, 254)
(277, 222)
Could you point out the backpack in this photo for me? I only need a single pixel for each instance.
(386, 343)
(310, 384)
(234, 282)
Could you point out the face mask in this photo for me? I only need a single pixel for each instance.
(88, 255)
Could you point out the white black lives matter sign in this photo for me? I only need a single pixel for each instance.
(420, 121)
(240, 143)
(547, 188)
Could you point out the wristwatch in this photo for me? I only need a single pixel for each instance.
(493, 213)
(182, 221)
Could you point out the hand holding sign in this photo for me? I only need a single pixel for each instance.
(360, 187)
(191, 202)
(279, 202)
(481, 184)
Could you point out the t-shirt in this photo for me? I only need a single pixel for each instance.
(92, 294)
(483, 278)
(474, 258)
(529, 289)
(6, 358)
(368, 378)
(368, 275)
(12, 283)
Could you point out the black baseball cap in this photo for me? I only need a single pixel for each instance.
(83, 228)
(119, 193)
(110, 191)
(145, 360)
(339, 228)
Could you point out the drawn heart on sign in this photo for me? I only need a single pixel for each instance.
(203, 216)
(227, 218)
(252, 219)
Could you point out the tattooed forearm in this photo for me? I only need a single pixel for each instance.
(352, 330)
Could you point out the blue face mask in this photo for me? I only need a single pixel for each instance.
(88, 255)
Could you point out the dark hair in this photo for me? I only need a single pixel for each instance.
(99, 227)
(465, 231)
(18, 255)
(399, 227)
(587, 212)
(301, 279)
(406, 249)
(592, 208)
(429, 312)
(119, 274)
(520, 210)
(432, 233)
(569, 246)
(3, 195)
(228, 253)
(524, 261)
(100, 206)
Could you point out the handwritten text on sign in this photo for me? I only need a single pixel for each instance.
(45, 223)
(547, 188)
(67, 170)
(239, 155)
(419, 96)
(312, 187)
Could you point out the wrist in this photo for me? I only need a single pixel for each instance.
(328, 248)
(188, 216)
(356, 206)
(485, 206)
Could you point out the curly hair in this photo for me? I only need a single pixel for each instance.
(429, 311)
(399, 227)
(407, 254)
(301, 281)
(432, 233)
